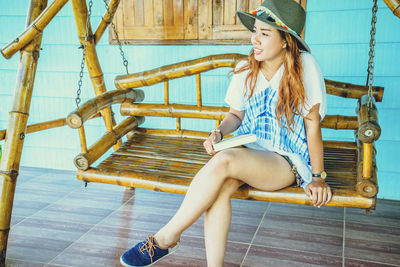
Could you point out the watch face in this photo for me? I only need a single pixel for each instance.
(323, 175)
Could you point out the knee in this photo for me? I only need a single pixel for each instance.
(223, 161)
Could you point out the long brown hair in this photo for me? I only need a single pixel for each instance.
(291, 89)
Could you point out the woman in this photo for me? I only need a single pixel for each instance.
(278, 93)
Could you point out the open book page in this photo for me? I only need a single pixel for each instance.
(235, 141)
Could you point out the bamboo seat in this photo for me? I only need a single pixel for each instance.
(166, 160)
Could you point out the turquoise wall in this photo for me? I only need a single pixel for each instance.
(336, 30)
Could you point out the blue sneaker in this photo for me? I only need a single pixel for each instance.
(146, 253)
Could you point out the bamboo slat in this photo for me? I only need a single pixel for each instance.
(394, 5)
(369, 129)
(106, 19)
(83, 160)
(16, 129)
(168, 163)
(36, 27)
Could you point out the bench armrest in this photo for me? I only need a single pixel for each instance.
(93, 106)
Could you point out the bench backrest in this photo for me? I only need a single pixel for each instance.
(197, 67)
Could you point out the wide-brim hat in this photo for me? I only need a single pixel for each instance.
(285, 15)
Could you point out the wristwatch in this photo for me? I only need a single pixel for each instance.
(320, 175)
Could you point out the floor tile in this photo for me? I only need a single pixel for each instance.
(360, 263)
(325, 212)
(73, 213)
(19, 263)
(42, 240)
(16, 219)
(58, 222)
(316, 235)
(260, 256)
(103, 246)
(387, 213)
(372, 242)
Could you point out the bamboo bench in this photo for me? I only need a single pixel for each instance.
(166, 160)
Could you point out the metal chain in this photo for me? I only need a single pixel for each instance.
(124, 60)
(79, 91)
(370, 76)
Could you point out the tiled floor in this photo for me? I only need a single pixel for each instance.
(58, 222)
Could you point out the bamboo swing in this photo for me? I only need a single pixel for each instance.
(165, 159)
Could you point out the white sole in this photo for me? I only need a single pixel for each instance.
(171, 250)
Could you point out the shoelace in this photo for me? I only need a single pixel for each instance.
(149, 246)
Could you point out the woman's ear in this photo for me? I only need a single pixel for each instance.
(284, 44)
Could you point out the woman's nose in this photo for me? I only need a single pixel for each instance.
(256, 38)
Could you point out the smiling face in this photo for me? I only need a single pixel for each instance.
(268, 44)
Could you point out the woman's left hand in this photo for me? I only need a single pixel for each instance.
(319, 192)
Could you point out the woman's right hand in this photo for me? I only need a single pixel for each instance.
(212, 139)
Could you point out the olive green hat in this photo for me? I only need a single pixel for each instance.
(285, 15)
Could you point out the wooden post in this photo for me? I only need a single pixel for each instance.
(92, 62)
(17, 122)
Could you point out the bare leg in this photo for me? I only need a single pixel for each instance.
(217, 223)
(261, 169)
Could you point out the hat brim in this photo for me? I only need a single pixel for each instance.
(248, 21)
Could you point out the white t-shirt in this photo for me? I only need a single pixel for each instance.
(313, 82)
(315, 90)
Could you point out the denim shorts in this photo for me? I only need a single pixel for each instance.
(299, 181)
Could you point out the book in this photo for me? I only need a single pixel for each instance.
(235, 141)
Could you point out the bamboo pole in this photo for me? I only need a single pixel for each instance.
(16, 129)
(178, 124)
(38, 127)
(36, 28)
(106, 19)
(369, 129)
(83, 161)
(342, 198)
(349, 90)
(366, 184)
(198, 89)
(176, 70)
(92, 62)
(76, 118)
(174, 110)
(199, 65)
(82, 139)
(367, 160)
(166, 92)
(217, 113)
(394, 5)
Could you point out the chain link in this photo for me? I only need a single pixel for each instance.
(124, 60)
(79, 91)
(370, 76)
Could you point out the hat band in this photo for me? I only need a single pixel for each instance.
(272, 17)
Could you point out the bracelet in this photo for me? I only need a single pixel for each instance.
(218, 131)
